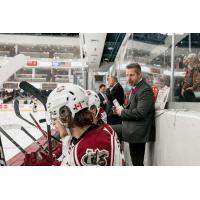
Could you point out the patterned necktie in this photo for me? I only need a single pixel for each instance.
(133, 88)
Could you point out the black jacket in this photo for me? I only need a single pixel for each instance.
(138, 118)
(117, 92)
(101, 100)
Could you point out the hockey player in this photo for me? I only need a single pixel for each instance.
(99, 117)
(84, 143)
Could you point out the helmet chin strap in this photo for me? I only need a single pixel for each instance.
(97, 113)
(68, 131)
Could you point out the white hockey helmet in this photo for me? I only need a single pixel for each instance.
(70, 96)
(94, 100)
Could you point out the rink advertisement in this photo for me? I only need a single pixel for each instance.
(27, 108)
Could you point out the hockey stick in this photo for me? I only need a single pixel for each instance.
(34, 139)
(18, 126)
(42, 120)
(2, 155)
(40, 128)
(17, 112)
(27, 87)
(13, 141)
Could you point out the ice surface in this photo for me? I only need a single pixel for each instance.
(9, 117)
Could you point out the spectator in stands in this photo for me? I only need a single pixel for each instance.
(192, 78)
(185, 62)
(177, 91)
(179, 63)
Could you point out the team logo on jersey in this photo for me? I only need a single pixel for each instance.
(95, 157)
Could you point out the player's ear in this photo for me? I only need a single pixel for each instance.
(65, 113)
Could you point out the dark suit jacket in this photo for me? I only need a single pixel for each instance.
(101, 101)
(138, 118)
(116, 93)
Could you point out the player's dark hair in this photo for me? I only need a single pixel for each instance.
(83, 118)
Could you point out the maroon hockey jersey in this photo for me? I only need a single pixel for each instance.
(96, 146)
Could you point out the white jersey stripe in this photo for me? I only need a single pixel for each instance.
(75, 155)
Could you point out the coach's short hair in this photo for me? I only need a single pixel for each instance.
(135, 66)
(114, 78)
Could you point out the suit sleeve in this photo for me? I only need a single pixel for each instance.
(144, 104)
(101, 104)
(111, 95)
(101, 98)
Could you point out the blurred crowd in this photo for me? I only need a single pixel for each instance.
(7, 96)
(188, 89)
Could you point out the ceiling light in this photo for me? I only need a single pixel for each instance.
(110, 48)
(94, 40)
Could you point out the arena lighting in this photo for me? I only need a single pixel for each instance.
(110, 48)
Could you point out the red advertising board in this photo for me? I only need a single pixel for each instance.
(155, 70)
(32, 63)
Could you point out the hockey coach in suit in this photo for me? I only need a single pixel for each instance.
(138, 116)
(114, 91)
